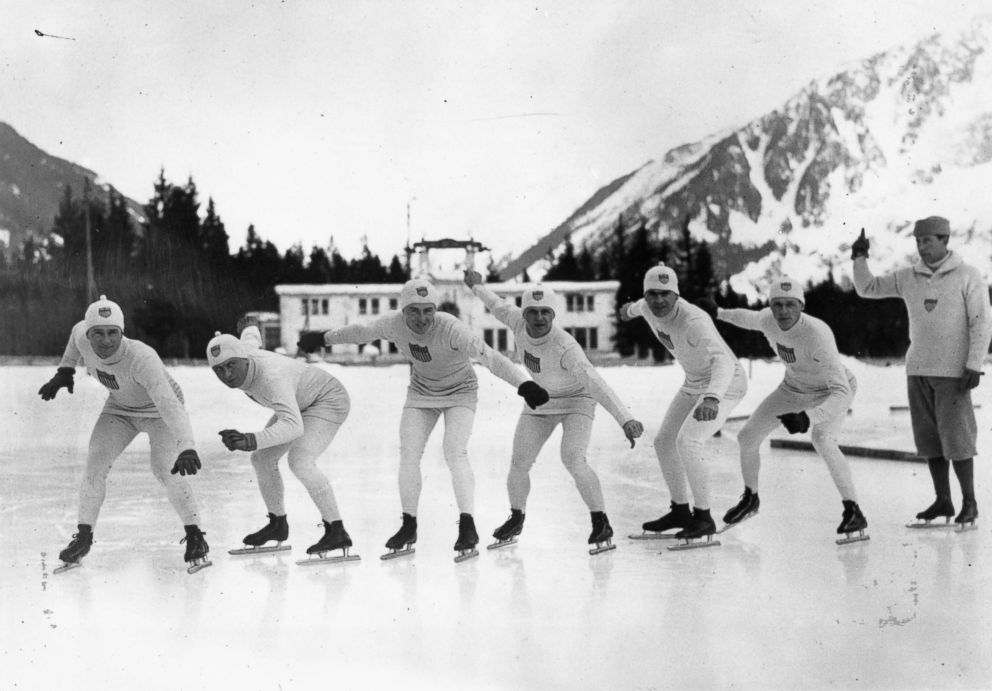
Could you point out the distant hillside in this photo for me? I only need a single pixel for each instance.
(31, 184)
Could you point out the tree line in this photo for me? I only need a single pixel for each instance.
(863, 328)
(172, 272)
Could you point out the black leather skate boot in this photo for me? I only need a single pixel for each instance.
(969, 511)
(747, 506)
(602, 531)
(406, 535)
(196, 548)
(702, 525)
(468, 538)
(680, 516)
(277, 529)
(943, 506)
(80, 545)
(513, 526)
(852, 519)
(335, 537)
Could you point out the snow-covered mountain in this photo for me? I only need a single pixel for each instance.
(901, 135)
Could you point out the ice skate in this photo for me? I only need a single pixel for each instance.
(746, 508)
(468, 538)
(852, 520)
(401, 544)
(78, 548)
(335, 537)
(601, 534)
(942, 507)
(968, 518)
(277, 529)
(680, 516)
(507, 533)
(702, 526)
(196, 549)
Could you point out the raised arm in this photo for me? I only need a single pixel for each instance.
(463, 339)
(745, 319)
(509, 314)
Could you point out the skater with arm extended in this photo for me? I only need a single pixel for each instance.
(814, 395)
(443, 382)
(714, 384)
(558, 364)
(309, 406)
(949, 332)
(142, 398)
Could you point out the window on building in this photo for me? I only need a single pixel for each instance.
(363, 306)
(393, 303)
(304, 303)
(315, 306)
(375, 305)
(487, 337)
(579, 333)
(519, 300)
(574, 302)
(393, 348)
(501, 340)
(593, 338)
(590, 303)
(324, 305)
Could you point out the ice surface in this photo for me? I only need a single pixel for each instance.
(779, 605)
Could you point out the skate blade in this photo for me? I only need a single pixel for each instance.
(68, 566)
(270, 549)
(199, 566)
(602, 547)
(499, 544)
(318, 559)
(647, 535)
(853, 538)
(728, 526)
(466, 554)
(965, 527)
(930, 525)
(396, 553)
(693, 543)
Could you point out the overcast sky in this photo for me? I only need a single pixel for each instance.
(493, 120)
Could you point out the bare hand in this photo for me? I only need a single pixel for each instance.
(632, 429)
(472, 278)
(622, 312)
(707, 410)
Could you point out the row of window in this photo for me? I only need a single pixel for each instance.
(574, 302)
(588, 338)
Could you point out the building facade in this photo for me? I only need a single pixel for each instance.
(586, 310)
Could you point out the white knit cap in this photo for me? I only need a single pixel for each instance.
(223, 347)
(539, 295)
(417, 291)
(661, 277)
(785, 287)
(103, 312)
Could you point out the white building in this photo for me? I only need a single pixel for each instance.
(587, 310)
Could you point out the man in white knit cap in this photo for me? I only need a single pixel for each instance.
(143, 399)
(440, 349)
(949, 332)
(814, 396)
(309, 406)
(557, 363)
(714, 384)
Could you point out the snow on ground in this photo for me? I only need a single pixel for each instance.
(778, 605)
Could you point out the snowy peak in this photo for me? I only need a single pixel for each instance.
(898, 136)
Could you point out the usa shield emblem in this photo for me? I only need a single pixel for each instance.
(787, 354)
(215, 350)
(665, 339)
(104, 312)
(663, 278)
(929, 305)
(422, 292)
(538, 294)
(786, 286)
(531, 362)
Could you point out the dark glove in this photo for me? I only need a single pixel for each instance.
(245, 322)
(860, 246)
(708, 305)
(187, 463)
(311, 341)
(969, 380)
(532, 394)
(238, 441)
(796, 423)
(62, 378)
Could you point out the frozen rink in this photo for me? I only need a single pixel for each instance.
(779, 605)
